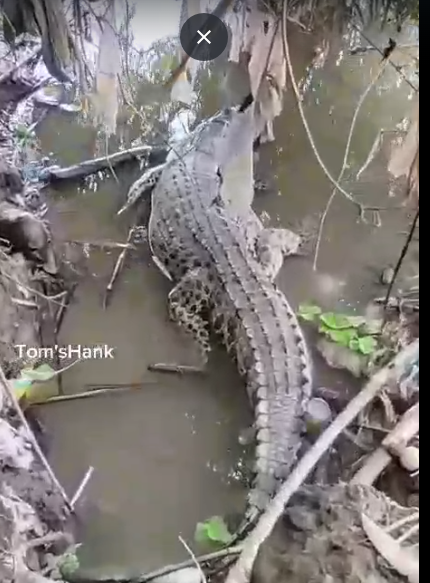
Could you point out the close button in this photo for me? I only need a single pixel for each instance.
(204, 37)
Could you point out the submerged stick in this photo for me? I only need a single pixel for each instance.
(241, 572)
(164, 571)
(83, 169)
(82, 486)
(91, 393)
(117, 269)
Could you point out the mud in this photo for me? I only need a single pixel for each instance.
(31, 505)
(320, 538)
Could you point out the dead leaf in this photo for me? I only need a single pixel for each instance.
(182, 90)
(404, 560)
(106, 97)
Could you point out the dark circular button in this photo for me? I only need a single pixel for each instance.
(204, 37)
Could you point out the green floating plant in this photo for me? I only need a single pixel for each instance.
(213, 531)
(353, 332)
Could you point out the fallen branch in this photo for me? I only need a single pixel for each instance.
(164, 571)
(83, 169)
(241, 572)
(102, 244)
(376, 463)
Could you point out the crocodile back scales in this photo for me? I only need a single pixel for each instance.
(191, 228)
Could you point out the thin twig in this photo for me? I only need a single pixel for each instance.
(89, 394)
(399, 263)
(102, 244)
(345, 158)
(82, 486)
(159, 573)
(61, 312)
(118, 268)
(381, 52)
(39, 294)
(241, 572)
(402, 522)
(361, 208)
(195, 561)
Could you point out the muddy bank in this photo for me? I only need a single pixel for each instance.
(35, 517)
(320, 538)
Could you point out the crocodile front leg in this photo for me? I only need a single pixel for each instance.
(187, 302)
(271, 246)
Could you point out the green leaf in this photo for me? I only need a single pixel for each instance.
(20, 387)
(367, 345)
(35, 384)
(356, 321)
(335, 321)
(355, 344)
(68, 565)
(44, 372)
(214, 530)
(342, 337)
(309, 312)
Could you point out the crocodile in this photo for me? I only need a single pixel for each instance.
(223, 268)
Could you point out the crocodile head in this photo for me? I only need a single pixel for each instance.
(225, 136)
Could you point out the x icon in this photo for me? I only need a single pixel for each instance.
(204, 37)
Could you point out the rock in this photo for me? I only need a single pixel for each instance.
(318, 415)
(387, 276)
(410, 459)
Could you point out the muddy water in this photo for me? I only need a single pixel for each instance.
(166, 455)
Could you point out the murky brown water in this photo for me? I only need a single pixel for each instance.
(165, 455)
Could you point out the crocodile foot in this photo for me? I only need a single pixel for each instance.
(187, 301)
(272, 246)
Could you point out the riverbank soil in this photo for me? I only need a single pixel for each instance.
(320, 538)
(34, 517)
